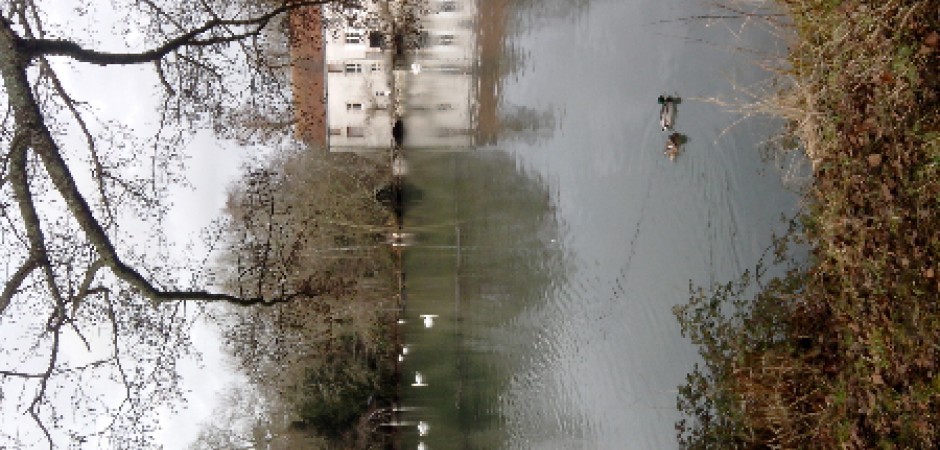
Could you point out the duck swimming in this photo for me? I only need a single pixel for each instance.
(667, 113)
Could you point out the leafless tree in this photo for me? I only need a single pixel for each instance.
(314, 218)
(94, 320)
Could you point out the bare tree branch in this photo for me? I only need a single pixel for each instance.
(85, 289)
(27, 111)
(99, 171)
(200, 36)
(27, 375)
(69, 270)
(16, 280)
(37, 255)
(44, 380)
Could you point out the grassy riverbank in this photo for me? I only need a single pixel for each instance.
(843, 352)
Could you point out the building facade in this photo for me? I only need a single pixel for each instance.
(366, 80)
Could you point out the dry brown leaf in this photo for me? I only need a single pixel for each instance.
(932, 39)
(886, 192)
(887, 77)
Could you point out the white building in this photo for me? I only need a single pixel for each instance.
(438, 91)
(358, 87)
(433, 93)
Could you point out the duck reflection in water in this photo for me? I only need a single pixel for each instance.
(428, 320)
(419, 380)
(674, 145)
(422, 446)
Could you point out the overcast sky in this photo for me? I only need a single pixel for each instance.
(211, 166)
(128, 95)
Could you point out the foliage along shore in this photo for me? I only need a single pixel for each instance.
(322, 370)
(844, 350)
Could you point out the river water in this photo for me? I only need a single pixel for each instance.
(548, 255)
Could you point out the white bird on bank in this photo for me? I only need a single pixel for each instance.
(419, 380)
(423, 428)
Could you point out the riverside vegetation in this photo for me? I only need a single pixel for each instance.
(317, 367)
(843, 350)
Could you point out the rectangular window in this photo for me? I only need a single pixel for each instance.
(336, 131)
(448, 6)
(446, 39)
(353, 37)
(354, 107)
(424, 39)
(453, 132)
(376, 40)
(356, 132)
(450, 68)
(377, 67)
(353, 68)
(335, 67)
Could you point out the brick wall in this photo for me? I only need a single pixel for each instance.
(307, 75)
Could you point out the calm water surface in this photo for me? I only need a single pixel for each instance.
(547, 259)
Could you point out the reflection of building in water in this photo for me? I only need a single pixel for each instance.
(438, 91)
(343, 80)
(491, 33)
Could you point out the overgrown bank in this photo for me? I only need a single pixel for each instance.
(844, 351)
